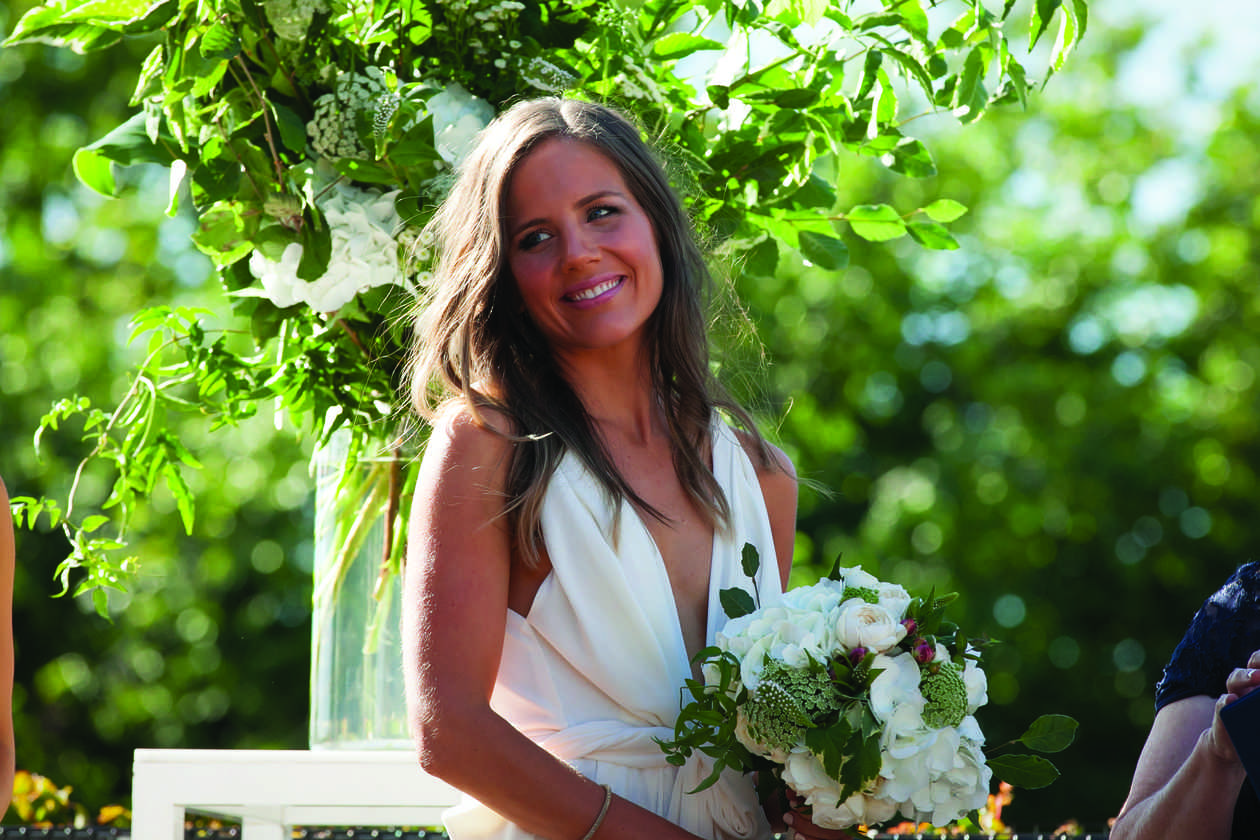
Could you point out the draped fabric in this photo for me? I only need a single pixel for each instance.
(595, 671)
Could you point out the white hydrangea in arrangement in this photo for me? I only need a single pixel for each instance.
(334, 128)
(362, 224)
(458, 116)
(803, 661)
(859, 696)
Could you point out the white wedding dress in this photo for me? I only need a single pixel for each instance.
(594, 672)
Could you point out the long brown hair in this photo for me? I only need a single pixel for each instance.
(472, 339)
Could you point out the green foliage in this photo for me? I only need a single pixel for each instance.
(260, 109)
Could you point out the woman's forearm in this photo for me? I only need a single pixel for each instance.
(486, 757)
(1191, 804)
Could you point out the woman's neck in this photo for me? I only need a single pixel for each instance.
(618, 395)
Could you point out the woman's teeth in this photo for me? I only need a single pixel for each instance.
(596, 290)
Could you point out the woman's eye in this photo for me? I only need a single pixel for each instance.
(600, 212)
(532, 239)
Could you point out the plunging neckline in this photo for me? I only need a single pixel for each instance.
(679, 636)
(575, 469)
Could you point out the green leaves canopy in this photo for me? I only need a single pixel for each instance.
(754, 107)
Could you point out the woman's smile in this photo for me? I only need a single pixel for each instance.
(596, 292)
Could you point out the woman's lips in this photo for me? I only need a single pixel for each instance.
(595, 291)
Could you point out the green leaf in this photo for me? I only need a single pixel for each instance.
(736, 602)
(225, 232)
(95, 170)
(1069, 34)
(101, 602)
(830, 744)
(130, 143)
(1050, 733)
(944, 210)
(316, 252)
(719, 95)
(824, 251)
(92, 523)
(680, 44)
(876, 222)
(834, 574)
(970, 93)
(749, 560)
(911, 158)
(219, 43)
(1025, 771)
(292, 129)
(1042, 12)
(796, 98)
(931, 235)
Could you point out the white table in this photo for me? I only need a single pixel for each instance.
(270, 791)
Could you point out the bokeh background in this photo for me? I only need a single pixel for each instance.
(1057, 420)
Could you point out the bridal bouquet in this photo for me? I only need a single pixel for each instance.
(858, 698)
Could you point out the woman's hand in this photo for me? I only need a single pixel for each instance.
(800, 827)
(1240, 683)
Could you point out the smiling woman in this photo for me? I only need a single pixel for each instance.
(580, 498)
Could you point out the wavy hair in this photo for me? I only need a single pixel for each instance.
(471, 339)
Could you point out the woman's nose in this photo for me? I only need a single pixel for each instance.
(580, 248)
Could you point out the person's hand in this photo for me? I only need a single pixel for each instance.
(800, 827)
(1239, 683)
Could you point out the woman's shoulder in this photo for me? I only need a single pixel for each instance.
(769, 460)
(476, 438)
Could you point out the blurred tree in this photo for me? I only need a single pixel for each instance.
(207, 650)
(1053, 420)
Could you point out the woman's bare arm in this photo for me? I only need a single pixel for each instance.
(8, 561)
(456, 602)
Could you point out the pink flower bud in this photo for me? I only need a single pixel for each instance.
(911, 626)
(857, 654)
(924, 652)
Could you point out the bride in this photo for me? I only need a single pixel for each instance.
(581, 499)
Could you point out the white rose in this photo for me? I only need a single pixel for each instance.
(893, 598)
(859, 624)
(458, 117)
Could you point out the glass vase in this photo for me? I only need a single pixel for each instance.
(357, 694)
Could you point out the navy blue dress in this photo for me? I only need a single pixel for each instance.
(1224, 633)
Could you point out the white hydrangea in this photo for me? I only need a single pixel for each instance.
(364, 253)
(805, 774)
(334, 128)
(458, 117)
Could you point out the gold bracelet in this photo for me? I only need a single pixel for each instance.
(603, 812)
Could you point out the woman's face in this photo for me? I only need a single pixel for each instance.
(582, 251)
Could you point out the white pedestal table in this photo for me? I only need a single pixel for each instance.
(270, 791)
